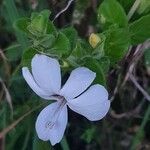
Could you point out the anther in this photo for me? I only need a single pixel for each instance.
(49, 124)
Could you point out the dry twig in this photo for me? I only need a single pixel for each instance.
(139, 87)
(138, 53)
(10, 127)
(133, 113)
(6, 64)
(63, 10)
(7, 94)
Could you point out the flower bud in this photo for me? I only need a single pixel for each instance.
(94, 40)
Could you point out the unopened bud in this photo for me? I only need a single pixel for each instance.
(94, 40)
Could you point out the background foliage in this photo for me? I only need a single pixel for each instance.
(121, 59)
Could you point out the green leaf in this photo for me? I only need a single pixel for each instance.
(40, 145)
(144, 7)
(13, 15)
(61, 46)
(51, 29)
(45, 13)
(13, 52)
(95, 66)
(71, 34)
(140, 134)
(79, 51)
(22, 24)
(39, 23)
(126, 4)
(105, 64)
(89, 134)
(27, 57)
(50, 26)
(140, 30)
(48, 40)
(111, 12)
(34, 15)
(116, 44)
(64, 144)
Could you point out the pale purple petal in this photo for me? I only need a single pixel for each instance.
(56, 132)
(46, 72)
(80, 79)
(31, 82)
(93, 104)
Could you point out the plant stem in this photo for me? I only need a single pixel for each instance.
(64, 144)
(133, 9)
(138, 137)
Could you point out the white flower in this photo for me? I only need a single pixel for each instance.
(45, 81)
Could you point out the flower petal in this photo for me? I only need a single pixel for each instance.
(29, 79)
(56, 132)
(80, 79)
(93, 104)
(46, 72)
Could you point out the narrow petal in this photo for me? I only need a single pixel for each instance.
(93, 104)
(56, 132)
(80, 79)
(29, 79)
(46, 72)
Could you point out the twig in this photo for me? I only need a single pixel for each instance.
(132, 113)
(116, 88)
(133, 9)
(139, 87)
(1, 94)
(2, 55)
(10, 127)
(138, 53)
(34, 4)
(117, 116)
(6, 130)
(6, 64)
(62, 11)
(7, 94)
(2, 143)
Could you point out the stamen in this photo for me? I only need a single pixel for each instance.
(49, 124)
(59, 97)
(56, 114)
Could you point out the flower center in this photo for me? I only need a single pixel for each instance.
(57, 112)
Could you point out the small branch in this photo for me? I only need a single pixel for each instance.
(6, 64)
(133, 113)
(139, 87)
(6, 130)
(34, 4)
(138, 53)
(133, 8)
(117, 116)
(7, 94)
(15, 123)
(62, 11)
(2, 55)
(115, 90)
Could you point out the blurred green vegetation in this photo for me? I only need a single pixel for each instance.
(27, 27)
